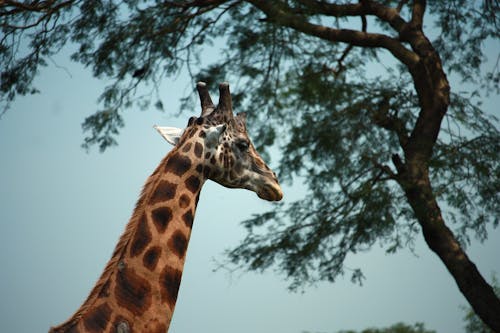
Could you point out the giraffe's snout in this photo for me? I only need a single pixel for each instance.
(265, 183)
(269, 189)
(270, 193)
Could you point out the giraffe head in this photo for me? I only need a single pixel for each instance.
(221, 141)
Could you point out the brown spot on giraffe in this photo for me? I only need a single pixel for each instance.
(178, 164)
(161, 217)
(132, 291)
(198, 149)
(187, 147)
(98, 318)
(178, 244)
(151, 257)
(170, 281)
(193, 184)
(184, 201)
(188, 218)
(163, 192)
(142, 237)
(206, 172)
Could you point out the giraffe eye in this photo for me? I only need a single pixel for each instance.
(242, 145)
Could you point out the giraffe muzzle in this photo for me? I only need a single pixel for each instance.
(270, 193)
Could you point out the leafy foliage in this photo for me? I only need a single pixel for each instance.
(468, 23)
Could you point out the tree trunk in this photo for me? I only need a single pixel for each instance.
(441, 240)
(433, 90)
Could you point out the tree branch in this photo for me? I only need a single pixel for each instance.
(281, 14)
(417, 15)
(44, 7)
(383, 169)
(330, 9)
(386, 14)
(382, 118)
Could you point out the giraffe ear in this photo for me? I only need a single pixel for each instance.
(213, 135)
(171, 134)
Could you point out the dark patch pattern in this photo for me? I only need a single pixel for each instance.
(188, 218)
(97, 319)
(198, 149)
(72, 329)
(206, 172)
(202, 134)
(184, 201)
(163, 192)
(178, 164)
(193, 184)
(187, 147)
(132, 291)
(170, 281)
(199, 168)
(142, 237)
(161, 218)
(178, 244)
(151, 257)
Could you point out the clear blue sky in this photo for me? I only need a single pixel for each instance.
(62, 211)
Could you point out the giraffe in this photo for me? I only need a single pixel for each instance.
(138, 288)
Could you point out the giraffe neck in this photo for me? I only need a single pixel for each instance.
(138, 289)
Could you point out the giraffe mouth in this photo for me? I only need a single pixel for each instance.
(270, 193)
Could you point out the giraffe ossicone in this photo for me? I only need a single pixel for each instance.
(138, 289)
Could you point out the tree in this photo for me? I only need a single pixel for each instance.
(382, 155)
(396, 328)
